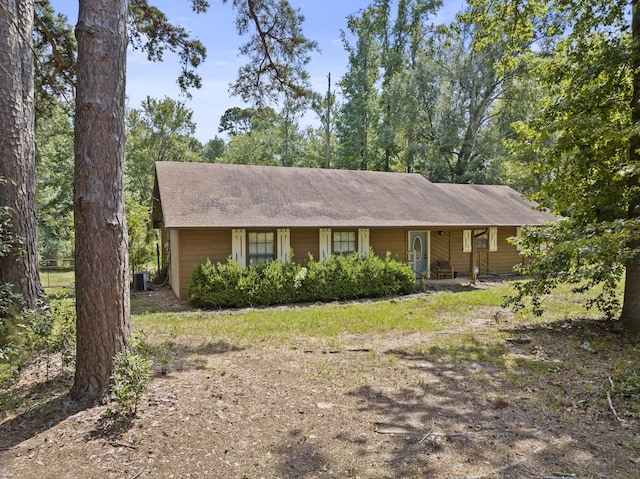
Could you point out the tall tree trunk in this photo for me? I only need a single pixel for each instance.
(631, 305)
(17, 147)
(328, 125)
(102, 271)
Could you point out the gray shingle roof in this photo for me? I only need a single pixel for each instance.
(241, 196)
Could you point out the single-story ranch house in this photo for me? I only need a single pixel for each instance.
(259, 213)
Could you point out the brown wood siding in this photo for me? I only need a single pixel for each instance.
(440, 245)
(489, 262)
(196, 245)
(305, 241)
(393, 240)
(507, 256)
(459, 260)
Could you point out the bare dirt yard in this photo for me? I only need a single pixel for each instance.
(372, 407)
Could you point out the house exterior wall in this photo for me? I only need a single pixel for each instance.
(393, 240)
(441, 247)
(190, 247)
(449, 246)
(305, 241)
(507, 256)
(175, 264)
(196, 245)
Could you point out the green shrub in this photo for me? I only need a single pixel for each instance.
(336, 278)
(12, 343)
(220, 281)
(129, 381)
(37, 335)
(273, 283)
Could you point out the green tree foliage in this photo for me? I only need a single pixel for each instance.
(314, 149)
(54, 182)
(359, 113)
(465, 105)
(272, 140)
(418, 98)
(54, 49)
(277, 52)
(161, 130)
(142, 237)
(583, 134)
(324, 107)
(515, 167)
(213, 150)
(236, 121)
(402, 39)
(151, 31)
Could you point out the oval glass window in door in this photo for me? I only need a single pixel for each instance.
(417, 248)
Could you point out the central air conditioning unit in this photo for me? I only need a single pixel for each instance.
(141, 281)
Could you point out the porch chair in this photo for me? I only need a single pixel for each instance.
(444, 268)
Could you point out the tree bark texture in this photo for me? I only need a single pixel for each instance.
(102, 263)
(630, 317)
(631, 304)
(17, 147)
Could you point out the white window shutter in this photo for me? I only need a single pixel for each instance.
(325, 243)
(238, 246)
(518, 236)
(493, 239)
(284, 244)
(466, 241)
(363, 242)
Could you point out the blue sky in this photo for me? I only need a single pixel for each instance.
(324, 19)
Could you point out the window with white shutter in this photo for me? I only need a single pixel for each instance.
(344, 242)
(262, 246)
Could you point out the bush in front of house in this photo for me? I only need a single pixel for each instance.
(225, 285)
(219, 281)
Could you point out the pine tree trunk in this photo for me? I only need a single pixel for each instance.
(102, 263)
(17, 147)
(630, 317)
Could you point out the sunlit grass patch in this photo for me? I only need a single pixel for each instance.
(462, 346)
(565, 304)
(57, 282)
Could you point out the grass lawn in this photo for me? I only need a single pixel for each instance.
(445, 310)
(54, 281)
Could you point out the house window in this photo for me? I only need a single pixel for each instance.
(344, 242)
(482, 239)
(261, 246)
